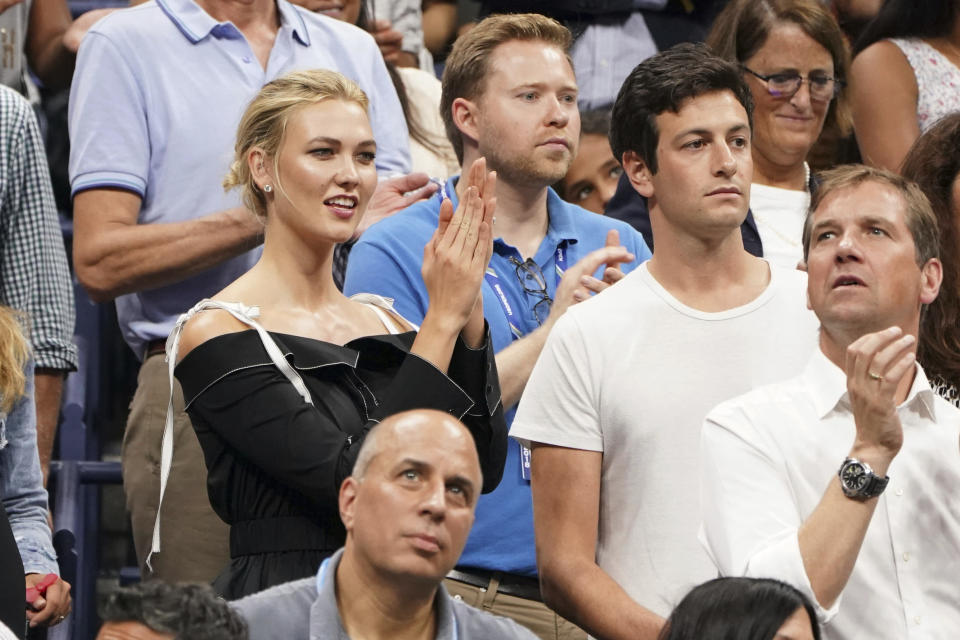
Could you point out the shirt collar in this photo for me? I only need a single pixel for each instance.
(289, 16)
(325, 622)
(828, 385)
(446, 618)
(324, 610)
(561, 225)
(196, 24)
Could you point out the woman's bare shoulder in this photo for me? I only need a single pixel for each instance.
(206, 325)
(879, 60)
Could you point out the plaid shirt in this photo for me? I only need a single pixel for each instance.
(34, 276)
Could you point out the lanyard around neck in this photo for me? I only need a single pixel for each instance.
(493, 279)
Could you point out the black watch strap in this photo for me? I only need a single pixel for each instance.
(875, 485)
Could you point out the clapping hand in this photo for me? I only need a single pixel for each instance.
(457, 255)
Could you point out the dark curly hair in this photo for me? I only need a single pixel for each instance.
(189, 611)
(664, 82)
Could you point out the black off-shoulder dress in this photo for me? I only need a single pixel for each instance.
(275, 463)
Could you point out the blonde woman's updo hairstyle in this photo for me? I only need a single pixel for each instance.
(265, 121)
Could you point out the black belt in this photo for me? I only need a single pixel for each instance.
(510, 583)
(276, 535)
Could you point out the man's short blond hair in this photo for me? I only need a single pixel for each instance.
(468, 64)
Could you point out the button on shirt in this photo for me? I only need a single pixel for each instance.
(156, 98)
(768, 457)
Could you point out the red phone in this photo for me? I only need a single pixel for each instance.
(40, 588)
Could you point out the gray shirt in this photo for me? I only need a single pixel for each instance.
(307, 609)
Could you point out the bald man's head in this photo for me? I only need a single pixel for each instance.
(408, 507)
(397, 423)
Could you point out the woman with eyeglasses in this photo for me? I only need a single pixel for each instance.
(793, 57)
(905, 76)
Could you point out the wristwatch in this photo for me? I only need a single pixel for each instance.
(858, 480)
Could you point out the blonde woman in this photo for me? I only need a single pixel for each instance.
(283, 375)
(26, 548)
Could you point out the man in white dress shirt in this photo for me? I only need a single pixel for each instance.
(844, 481)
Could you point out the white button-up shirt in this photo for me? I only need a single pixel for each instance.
(768, 457)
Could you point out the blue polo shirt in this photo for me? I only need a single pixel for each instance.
(156, 98)
(387, 261)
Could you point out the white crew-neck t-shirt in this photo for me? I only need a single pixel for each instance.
(633, 373)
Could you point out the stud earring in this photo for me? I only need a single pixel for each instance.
(267, 188)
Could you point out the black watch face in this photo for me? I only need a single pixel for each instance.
(853, 476)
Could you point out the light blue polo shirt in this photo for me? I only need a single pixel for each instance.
(387, 261)
(156, 98)
(308, 609)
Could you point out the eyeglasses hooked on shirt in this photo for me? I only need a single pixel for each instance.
(533, 282)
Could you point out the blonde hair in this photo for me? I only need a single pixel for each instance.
(264, 123)
(468, 64)
(13, 357)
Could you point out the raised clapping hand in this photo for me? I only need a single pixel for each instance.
(457, 255)
(876, 364)
(578, 283)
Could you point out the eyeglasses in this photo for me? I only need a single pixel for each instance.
(787, 83)
(532, 280)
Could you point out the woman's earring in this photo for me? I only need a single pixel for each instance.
(267, 188)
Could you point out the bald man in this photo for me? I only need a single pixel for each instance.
(407, 509)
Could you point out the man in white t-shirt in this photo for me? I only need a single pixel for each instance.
(615, 404)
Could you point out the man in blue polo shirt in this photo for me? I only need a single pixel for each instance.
(158, 93)
(509, 95)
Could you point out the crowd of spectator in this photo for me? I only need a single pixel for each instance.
(609, 319)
